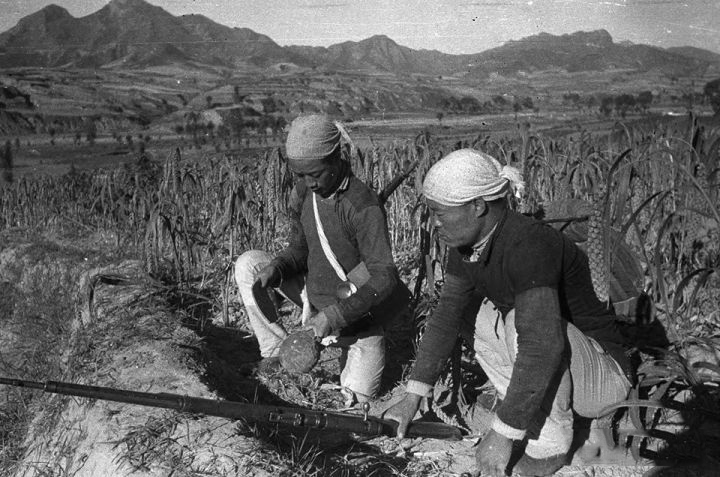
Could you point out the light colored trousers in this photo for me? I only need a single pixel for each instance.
(592, 381)
(363, 356)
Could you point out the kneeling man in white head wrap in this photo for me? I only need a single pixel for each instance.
(339, 257)
(546, 342)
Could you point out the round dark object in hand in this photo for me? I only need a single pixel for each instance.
(345, 290)
(299, 352)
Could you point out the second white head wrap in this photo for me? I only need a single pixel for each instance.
(467, 174)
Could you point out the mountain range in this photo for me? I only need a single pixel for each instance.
(136, 34)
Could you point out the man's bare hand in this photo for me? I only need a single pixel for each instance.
(493, 454)
(403, 412)
(268, 276)
(319, 324)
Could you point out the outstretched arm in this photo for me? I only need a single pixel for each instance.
(540, 345)
(438, 340)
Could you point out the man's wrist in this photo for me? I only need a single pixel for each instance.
(507, 431)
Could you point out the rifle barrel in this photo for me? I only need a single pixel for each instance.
(21, 383)
(296, 417)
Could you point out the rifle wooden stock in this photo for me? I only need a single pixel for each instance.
(294, 417)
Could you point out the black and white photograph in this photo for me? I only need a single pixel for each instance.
(309, 238)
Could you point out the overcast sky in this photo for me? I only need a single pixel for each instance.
(451, 26)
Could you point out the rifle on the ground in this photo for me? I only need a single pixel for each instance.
(261, 413)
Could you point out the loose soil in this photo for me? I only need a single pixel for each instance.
(128, 333)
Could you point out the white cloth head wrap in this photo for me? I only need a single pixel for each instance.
(313, 137)
(467, 174)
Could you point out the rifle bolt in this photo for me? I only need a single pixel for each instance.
(366, 410)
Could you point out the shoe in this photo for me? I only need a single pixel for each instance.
(348, 397)
(531, 467)
(353, 400)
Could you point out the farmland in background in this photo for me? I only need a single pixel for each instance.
(56, 119)
(192, 201)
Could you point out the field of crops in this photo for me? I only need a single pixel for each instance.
(650, 188)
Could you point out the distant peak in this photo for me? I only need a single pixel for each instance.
(379, 39)
(54, 8)
(129, 4)
(594, 38)
(600, 36)
(54, 12)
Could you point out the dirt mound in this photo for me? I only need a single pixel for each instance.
(123, 336)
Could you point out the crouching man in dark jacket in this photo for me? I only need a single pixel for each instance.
(546, 342)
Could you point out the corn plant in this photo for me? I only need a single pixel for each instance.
(649, 187)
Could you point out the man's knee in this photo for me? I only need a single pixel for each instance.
(362, 371)
(248, 264)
